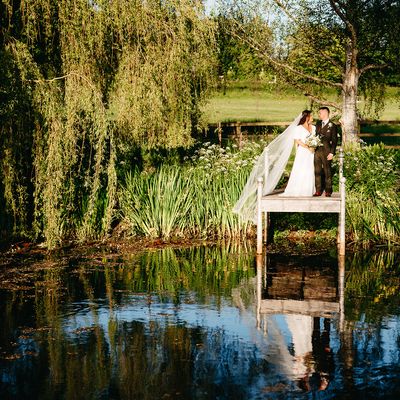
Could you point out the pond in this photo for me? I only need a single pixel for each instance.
(212, 322)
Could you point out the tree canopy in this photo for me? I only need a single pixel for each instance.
(348, 45)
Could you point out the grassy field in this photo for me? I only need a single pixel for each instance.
(256, 104)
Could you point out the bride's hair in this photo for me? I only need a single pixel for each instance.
(304, 116)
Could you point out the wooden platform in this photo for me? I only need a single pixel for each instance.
(275, 202)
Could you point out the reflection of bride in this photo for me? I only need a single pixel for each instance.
(301, 328)
(270, 166)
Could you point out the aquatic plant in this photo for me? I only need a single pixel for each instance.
(157, 204)
(373, 188)
(177, 201)
(212, 179)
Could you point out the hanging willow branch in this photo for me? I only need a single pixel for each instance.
(100, 76)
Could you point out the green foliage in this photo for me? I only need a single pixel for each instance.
(236, 60)
(363, 166)
(176, 201)
(193, 199)
(84, 83)
(373, 217)
(157, 204)
(196, 198)
(373, 187)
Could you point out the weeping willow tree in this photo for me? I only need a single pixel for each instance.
(83, 81)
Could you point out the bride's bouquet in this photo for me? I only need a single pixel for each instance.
(312, 140)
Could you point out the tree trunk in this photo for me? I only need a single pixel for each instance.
(350, 127)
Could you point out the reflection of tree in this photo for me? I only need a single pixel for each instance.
(372, 284)
(126, 359)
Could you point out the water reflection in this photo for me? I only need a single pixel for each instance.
(298, 304)
(208, 322)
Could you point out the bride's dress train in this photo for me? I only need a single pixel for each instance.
(301, 181)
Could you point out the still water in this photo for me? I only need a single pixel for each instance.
(200, 323)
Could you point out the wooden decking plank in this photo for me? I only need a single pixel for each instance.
(278, 203)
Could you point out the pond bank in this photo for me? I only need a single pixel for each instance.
(288, 242)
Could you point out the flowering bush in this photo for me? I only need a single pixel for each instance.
(374, 168)
(218, 160)
(372, 186)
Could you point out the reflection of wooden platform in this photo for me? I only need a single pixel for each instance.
(288, 280)
(291, 288)
(314, 308)
(275, 202)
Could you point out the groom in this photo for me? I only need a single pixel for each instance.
(327, 131)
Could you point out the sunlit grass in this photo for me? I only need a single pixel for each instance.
(258, 104)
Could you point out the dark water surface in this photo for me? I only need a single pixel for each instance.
(201, 323)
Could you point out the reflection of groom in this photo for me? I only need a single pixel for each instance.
(327, 131)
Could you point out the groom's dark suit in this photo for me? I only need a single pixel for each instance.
(322, 167)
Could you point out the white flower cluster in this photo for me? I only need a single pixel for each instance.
(216, 159)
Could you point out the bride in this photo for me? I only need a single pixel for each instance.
(301, 181)
(271, 165)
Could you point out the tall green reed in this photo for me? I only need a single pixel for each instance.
(156, 204)
(373, 218)
(178, 201)
(195, 198)
(373, 186)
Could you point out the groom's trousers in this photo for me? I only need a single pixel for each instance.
(322, 167)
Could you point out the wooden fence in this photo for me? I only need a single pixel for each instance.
(238, 133)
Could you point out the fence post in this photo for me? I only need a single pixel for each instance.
(219, 133)
(238, 129)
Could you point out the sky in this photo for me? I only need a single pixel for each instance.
(210, 4)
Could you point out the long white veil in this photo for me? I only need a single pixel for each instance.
(270, 166)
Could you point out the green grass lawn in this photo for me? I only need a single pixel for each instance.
(244, 104)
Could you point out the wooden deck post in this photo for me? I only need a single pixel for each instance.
(342, 216)
(342, 213)
(259, 266)
(266, 227)
(259, 216)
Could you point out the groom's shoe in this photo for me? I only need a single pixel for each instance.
(328, 194)
(317, 194)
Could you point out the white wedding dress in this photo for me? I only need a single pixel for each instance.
(270, 166)
(301, 181)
